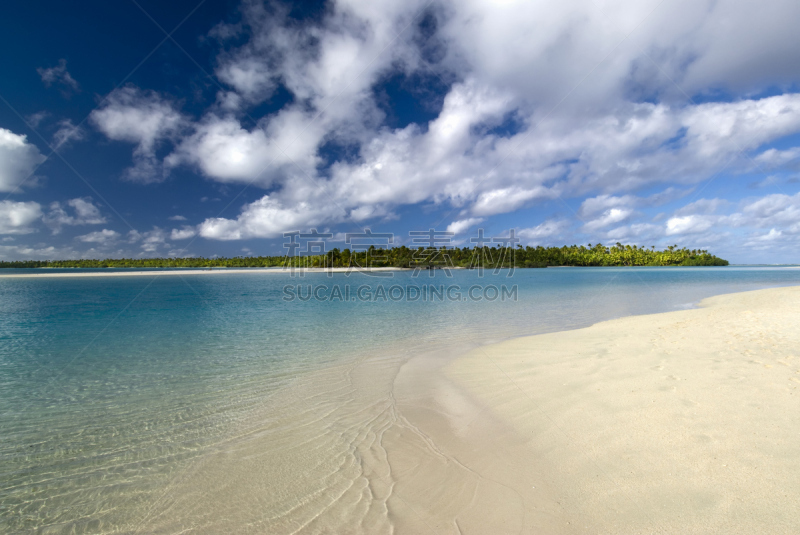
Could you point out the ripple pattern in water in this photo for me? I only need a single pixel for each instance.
(111, 389)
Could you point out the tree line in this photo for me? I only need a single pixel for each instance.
(426, 258)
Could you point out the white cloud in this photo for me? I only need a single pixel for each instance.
(777, 210)
(229, 101)
(184, 233)
(249, 76)
(267, 218)
(451, 163)
(25, 252)
(150, 241)
(101, 237)
(463, 224)
(502, 200)
(587, 122)
(771, 236)
(772, 158)
(689, 224)
(144, 118)
(605, 210)
(634, 234)
(602, 203)
(153, 239)
(225, 151)
(177, 218)
(541, 232)
(18, 159)
(67, 132)
(59, 75)
(17, 217)
(702, 206)
(84, 212)
(760, 229)
(612, 216)
(702, 44)
(35, 119)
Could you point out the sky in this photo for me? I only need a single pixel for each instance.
(151, 129)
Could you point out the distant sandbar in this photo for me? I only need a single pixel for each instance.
(215, 271)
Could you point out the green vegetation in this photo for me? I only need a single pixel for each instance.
(488, 257)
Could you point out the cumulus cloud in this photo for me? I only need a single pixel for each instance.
(17, 252)
(463, 224)
(612, 216)
(249, 76)
(699, 45)
(59, 75)
(634, 234)
(18, 159)
(17, 217)
(542, 232)
(183, 233)
(762, 241)
(150, 241)
(602, 203)
(777, 210)
(702, 206)
(450, 163)
(80, 211)
(536, 104)
(266, 218)
(225, 151)
(689, 224)
(100, 237)
(144, 118)
(605, 210)
(767, 225)
(772, 158)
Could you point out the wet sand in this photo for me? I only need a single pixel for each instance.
(683, 422)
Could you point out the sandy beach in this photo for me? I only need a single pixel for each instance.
(42, 273)
(682, 422)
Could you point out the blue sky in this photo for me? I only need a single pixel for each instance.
(143, 128)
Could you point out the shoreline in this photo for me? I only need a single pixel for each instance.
(194, 271)
(679, 421)
(549, 433)
(610, 428)
(158, 272)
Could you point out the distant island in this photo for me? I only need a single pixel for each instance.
(404, 257)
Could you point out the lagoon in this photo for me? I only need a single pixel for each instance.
(212, 403)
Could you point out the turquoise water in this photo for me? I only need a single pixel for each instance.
(110, 386)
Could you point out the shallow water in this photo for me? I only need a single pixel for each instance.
(116, 393)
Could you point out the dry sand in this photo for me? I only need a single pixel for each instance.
(684, 422)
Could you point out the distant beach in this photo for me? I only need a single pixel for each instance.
(117, 272)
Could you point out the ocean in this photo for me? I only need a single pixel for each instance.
(113, 390)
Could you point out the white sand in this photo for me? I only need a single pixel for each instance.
(168, 272)
(685, 422)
